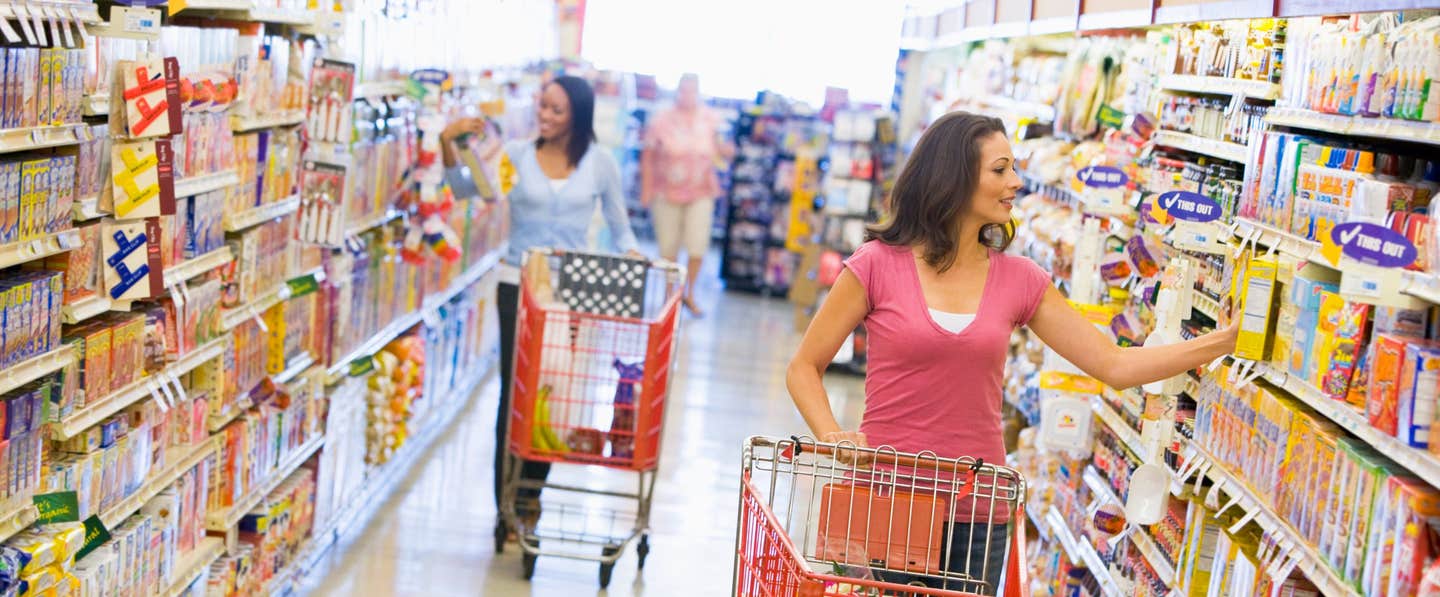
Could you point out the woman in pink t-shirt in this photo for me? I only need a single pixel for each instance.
(939, 301)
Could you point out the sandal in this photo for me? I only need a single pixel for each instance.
(692, 306)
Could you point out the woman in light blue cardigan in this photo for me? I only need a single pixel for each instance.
(562, 176)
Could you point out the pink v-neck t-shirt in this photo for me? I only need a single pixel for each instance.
(927, 388)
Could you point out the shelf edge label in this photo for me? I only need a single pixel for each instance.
(62, 506)
(1191, 207)
(1102, 177)
(95, 535)
(1373, 244)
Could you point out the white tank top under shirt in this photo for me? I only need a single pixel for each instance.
(952, 322)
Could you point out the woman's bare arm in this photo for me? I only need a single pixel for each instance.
(843, 310)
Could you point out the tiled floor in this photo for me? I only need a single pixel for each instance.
(433, 536)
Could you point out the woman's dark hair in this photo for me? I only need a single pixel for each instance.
(582, 117)
(936, 186)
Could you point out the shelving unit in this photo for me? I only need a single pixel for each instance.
(1378, 128)
(158, 482)
(16, 253)
(205, 183)
(255, 216)
(226, 520)
(1139, 537)
(1311, 564)
(42, 137)
(232, 318)
(1234, 152)
(85, 308)
(95, 412)
(1080, 550)
(193, 268)
(194, 564)
(1205, 305)
(35, 367)
(1263, 90)
(240, 124)
(340, 368)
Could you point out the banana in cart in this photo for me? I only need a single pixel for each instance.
(541, 435)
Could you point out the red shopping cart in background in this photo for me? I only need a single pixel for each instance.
(813, 525)
(594, 348)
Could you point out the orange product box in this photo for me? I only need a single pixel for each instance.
(859, 525)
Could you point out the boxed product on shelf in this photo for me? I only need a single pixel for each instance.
(31, 302)
(262, 439)
(38, 192)
(42, 87)
(1361, 66)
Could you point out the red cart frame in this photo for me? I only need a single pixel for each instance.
(589, 388)
(803, 510)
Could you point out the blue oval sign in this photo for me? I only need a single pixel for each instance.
(433, 76)
(1192, 207)
(1373, 244)
(1102, 177)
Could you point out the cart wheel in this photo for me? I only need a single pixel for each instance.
(643, 549)
(501, 534)
(528, 562)
(607, 569)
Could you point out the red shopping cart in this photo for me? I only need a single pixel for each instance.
(594, 346)
(814, 525)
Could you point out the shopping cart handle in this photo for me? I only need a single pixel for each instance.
(880, 455)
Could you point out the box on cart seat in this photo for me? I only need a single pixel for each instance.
(898, 530)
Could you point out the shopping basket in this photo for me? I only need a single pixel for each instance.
(874, 521)
(594, 347)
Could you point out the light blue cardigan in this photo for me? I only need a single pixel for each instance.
(541, 217)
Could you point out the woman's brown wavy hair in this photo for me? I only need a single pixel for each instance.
(935, 188)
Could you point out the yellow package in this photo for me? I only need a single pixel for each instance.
(1258, 309)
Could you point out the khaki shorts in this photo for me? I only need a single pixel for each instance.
(684, 226)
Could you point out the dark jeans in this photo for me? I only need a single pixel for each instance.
(507, 302)
(982, 563)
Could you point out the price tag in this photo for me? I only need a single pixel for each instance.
(137, 20)
(62, 506)
(156, 394)
(1370, 284)
(36, 137)
(302, 285)
(164, 384)
(259, 321)
(362, 366)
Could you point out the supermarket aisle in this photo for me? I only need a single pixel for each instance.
(434, 535)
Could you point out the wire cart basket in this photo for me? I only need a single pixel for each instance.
(831, 520)
(594, 348)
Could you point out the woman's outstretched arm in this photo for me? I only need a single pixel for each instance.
(1072, 336)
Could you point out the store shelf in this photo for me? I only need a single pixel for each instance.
(1042, 112)
(338, 369)
(194, 564)
(193, 268)
(1288, 244)
(1205, 305)
(243, 10)
(16, 253)
(358, 228)
(41, 137)
(240, 124)
(1421, 462)
(1221, 86)
(97, 105)
(158, 483)
(1140, 537)
(86, 209)
(255, 216)
(17, 517)
(1080, 551)
(98, 411)
(1423, 286)
(85, 308)
(1378, 128)
(217, 422)
(225, 520)
(1112, 419)
(35, 367)
(205, 183)
(379, 89)
(1234, 152)
(231, 318)
(1311, 564)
